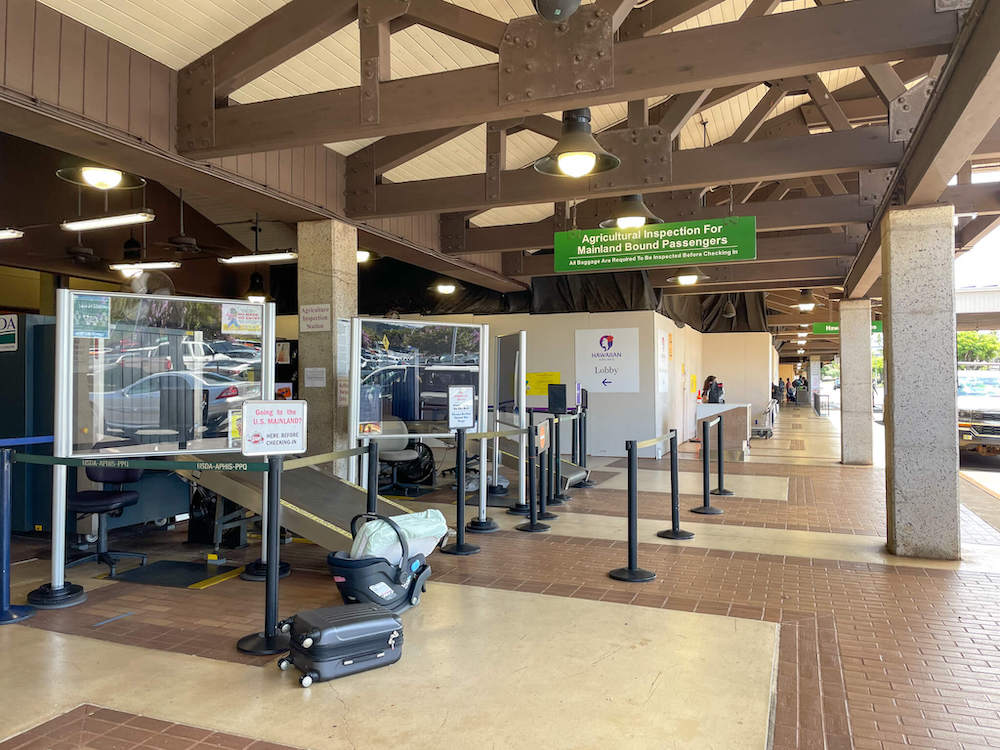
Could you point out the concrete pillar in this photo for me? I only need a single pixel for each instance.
(327, 275)
(815, 365)
(856, 382)
(921, 440)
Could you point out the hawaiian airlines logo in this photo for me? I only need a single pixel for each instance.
(607, 341)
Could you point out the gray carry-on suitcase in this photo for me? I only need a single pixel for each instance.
(337, 641)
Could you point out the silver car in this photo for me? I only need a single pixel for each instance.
(979, 411)
(137, 407)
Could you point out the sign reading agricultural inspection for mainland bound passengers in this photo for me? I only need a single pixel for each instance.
(835, 327)
(677, 244)
(273, 428)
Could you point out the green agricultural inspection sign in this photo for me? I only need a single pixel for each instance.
(835, 327)
(679, 243)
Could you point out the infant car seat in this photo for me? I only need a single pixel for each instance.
(395, 585)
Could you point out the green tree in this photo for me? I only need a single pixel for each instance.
(975, 346)
(830, 371)
(878, 368)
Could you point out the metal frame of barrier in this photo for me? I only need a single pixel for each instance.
(706, 508)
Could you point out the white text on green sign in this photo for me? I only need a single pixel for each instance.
(676, 244)
(835, 327)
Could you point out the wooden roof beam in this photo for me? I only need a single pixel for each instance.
(755, 49)
(659, 15)
(454, 21)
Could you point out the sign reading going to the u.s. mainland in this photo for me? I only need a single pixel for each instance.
(679, 243)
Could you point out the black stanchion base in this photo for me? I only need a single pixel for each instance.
(257, 570)
(583, 484)
(16, 613)
(547, 515)
(475, 526)
(262, 645)
(46, 597)
(722, 491)
(554, 501)
(561, 497)
(519, 510)
(632, 576)
(496, 490)
(707, 510)
(533, 527)
(460, 549)
(679, 534)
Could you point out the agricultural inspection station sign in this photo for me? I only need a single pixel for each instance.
(679, 243)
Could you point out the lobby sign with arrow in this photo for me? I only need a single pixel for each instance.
(607, 360)
(678, 243)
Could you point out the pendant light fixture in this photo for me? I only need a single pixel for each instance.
(9, 233)
(577, 153)
(729, 309)
(107, 221)
(278, 256)
(688, 276)
(807, 301)
(631, 212)
(363, 256)
(256, 291)
(100, 178)
(445, 286)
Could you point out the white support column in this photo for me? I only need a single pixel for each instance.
(327, 275)
(921, 440)
(856, 382)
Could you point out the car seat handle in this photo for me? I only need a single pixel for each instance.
(404, 547)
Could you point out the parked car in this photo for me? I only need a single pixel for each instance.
(979, 411)
(137, 406)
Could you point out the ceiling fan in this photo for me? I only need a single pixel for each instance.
(183, 244)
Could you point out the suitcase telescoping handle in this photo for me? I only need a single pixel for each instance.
(402, 573)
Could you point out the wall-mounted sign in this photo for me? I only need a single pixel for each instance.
(835, 327)
(543, 436)
(461, 407)
(8, 333)
(538, 382)
(315, 377)
(676, 244)
(246, 320)
(91, 316)
(370, 410)
(314, 318)
(607, 360)
(283, 352)
(273, 428)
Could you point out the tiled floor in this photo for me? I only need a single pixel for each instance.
(94, 728)
(871, 656)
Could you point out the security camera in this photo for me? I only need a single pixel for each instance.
(556, 10)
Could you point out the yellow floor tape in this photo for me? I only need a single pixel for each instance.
(217, 579)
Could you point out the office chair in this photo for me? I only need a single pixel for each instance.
(105, 503)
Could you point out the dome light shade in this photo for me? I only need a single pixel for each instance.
(256, 291)
(101, 178)
(631, 212)
(807, 301)
(577, 153)
(729, 310)
(688, 276)
(445, 287)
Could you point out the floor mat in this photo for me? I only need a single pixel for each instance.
(179, 575)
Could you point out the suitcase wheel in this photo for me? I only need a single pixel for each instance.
(415, 600)
(285, 626)
(306, 680)
(307, 642)
(284, 664)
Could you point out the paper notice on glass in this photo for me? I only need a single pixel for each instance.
(315, 377)
(343, 347)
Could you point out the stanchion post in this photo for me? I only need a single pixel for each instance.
(633, 573)
(559, 497)
(256, 571)
(372, 506)
(575, 445)
(582, 426)
(706, 508)
(545, 476)
(270, 641)
(720, 458)
(533, 524)
(8, 613)
(459, 547)
(675, 531)
(519, 508)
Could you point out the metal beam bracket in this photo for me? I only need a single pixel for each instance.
(645, 154)
(453, 228)
(196, 105)
(872, 184)
(540, 60)
(905, 110)
(359, 192)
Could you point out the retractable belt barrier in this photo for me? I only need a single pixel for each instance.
(706, 508)
(141, 463)
(11, 612)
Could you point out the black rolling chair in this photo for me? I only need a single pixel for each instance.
(105, 503)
